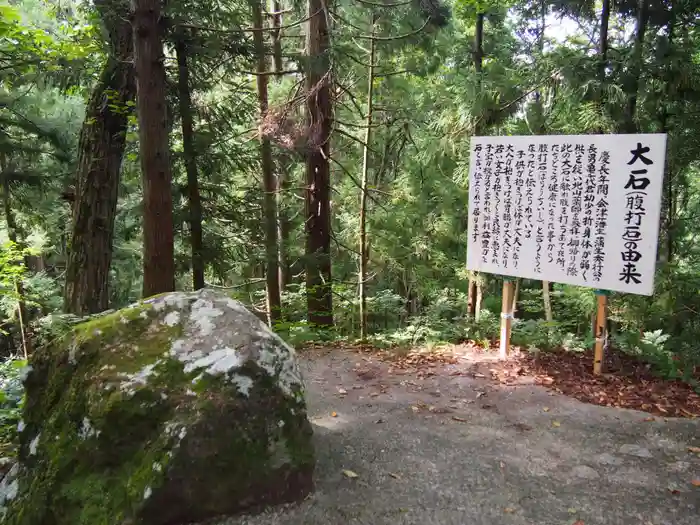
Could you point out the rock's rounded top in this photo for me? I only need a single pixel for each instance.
(210, 333)
(219, 335)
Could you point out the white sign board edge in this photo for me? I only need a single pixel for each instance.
(619, 148)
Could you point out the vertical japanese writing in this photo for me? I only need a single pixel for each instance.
(475, 190)
(507, 205)
(497, 198)
(518, 214)
(542, 175)
(601, 215)
(636, 186)
(553, 189)
(564, 193)
(588, 207)
(574, 243)
(530, 185)
(486, 215)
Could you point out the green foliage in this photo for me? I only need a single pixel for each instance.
(12, 372)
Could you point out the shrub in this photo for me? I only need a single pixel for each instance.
(12, 372)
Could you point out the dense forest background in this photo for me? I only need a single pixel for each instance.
(311, 159)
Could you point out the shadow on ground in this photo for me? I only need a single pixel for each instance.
(448, 448)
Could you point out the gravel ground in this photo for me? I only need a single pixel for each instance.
(449, 448)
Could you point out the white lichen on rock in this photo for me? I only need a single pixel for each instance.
(34, 445)
(87, 430)
(140, 378)
(172, 318)
(243, 383)
(9, 487)
(218, 337)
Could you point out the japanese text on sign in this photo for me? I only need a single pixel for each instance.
(575, 209)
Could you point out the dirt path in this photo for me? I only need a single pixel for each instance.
(449, 448)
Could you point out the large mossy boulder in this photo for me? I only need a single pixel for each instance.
(174, 410)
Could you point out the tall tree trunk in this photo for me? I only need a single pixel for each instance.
(319, 118)
(101, 150)
(283, 226)
(478, 50)
(190, 154)
(364, 188)
(603, 43)
(670, 198)
(474, 291)
(636, 69)
(277, 36)
(158, 235)
(274, 302)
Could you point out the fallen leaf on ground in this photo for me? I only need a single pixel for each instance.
(395, 476)
(508, 510)
(578, 522)
(415, 408)
(649, 419)
(460, 419)
(342, 391)
(696, 450)
(556, 424)
(572, 511)
(546, 409)
(695, 483)
(334, 414)
(350, 474)
(380, 420)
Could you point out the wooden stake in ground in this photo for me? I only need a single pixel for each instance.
(601, 335)
(506, 318)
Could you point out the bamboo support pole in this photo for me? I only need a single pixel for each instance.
(506, 318)
(601, 335)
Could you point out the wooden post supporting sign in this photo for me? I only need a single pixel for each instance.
(506, 318)
(601, 334)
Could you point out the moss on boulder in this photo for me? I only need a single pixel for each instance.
(177, 409)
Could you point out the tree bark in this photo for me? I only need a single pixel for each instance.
(101, 150)
(478, 51)
(474, 291)
(283, 225)
(190, 155)
(670, 216)
(158, 237)
(603, 43)
(274, 302)
(636, 69)
(319, 118)
(277, 36)
(364, 188)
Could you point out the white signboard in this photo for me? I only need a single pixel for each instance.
(574, 209)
